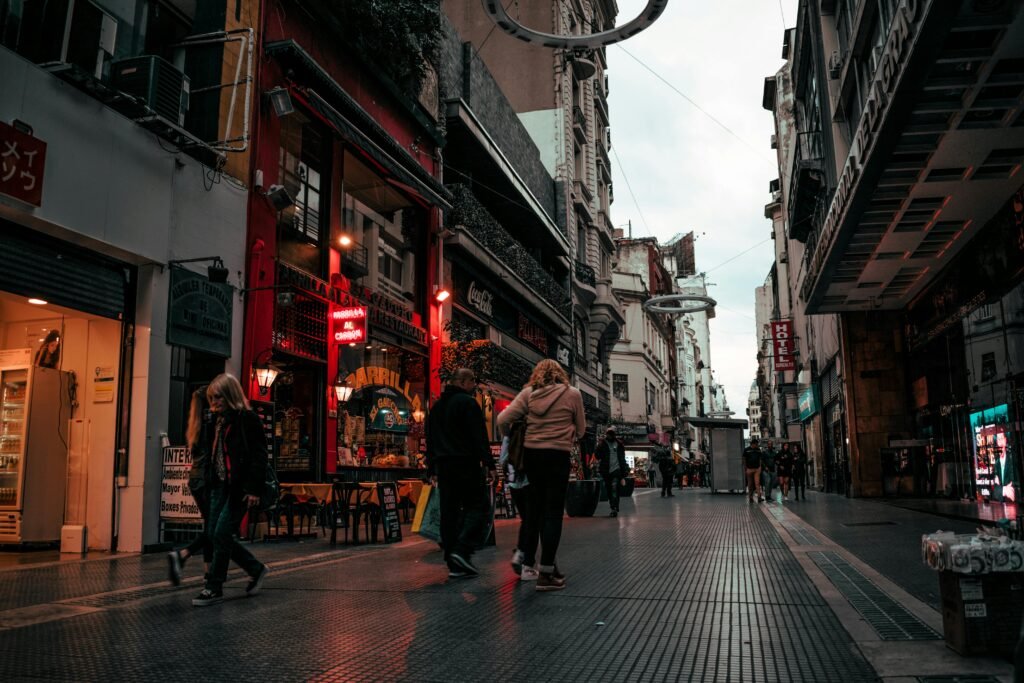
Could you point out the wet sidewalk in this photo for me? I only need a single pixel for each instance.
(695, 587)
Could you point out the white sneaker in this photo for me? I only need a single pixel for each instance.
(517, 561)
(529, 574)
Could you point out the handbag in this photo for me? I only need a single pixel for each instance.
(428, 511)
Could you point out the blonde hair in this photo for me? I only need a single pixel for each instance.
(196, 408)
(548, 372)
(230, 391)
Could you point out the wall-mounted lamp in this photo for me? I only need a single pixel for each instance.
(279, 197)
(281, 101)
(264, 372)
(217, 273)
(418, 415)
(345, 241)
(441, 294)
(342, 389)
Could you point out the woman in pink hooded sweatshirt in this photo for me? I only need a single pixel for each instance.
(554, 422)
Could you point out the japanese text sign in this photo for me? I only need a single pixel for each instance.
(349, 325)
(782, 345)
(22, 159)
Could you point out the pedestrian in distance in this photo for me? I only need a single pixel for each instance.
(667, 469)
(611, 459)
(752, 469)
(652, 474)
(799, 473)
(768, 476)
(236, 480)
(459, 461)
(555, 420)
(784, 470)
(517, 483)
(197, 436)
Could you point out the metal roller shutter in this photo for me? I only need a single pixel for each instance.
(61, 273)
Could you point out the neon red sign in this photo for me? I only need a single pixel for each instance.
(349, 325)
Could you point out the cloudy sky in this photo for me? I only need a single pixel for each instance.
(686, 171)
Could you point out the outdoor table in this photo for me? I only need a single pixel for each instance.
(312, 494)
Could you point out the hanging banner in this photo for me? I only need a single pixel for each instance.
(782, 345)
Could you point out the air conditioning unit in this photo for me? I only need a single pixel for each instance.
(74, 32)
(155, 81)
(775, 142)
(835, 65)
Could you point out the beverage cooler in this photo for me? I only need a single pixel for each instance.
(34, 414)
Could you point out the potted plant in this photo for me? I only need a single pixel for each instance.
(581, 497)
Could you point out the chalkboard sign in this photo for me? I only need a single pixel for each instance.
(265, 410)
(387, 493)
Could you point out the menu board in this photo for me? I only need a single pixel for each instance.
(387, 494)
(265, 410)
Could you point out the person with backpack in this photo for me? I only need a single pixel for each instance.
(237, 479)
(611, 458)
(752, 468)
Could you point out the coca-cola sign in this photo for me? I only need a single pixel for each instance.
(480, 299)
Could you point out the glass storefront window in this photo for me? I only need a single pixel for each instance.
(382, 424)
(304, 157)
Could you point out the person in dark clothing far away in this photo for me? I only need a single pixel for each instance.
(667, 467)
(799, 473)
(784, 470)
(459, 456)
(752, 468)
(611, 457)
(769, 479)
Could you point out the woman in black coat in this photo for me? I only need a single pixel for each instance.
(237, 477)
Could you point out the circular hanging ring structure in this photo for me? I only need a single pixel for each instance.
(593, 41)
(679, 304)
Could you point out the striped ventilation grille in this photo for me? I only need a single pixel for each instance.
(61, 273)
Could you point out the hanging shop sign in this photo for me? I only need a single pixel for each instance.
(632, 430)
(348, 325)
(22, 162)
(782, 344)
(808, 403)
(199, 313)
(371, 376)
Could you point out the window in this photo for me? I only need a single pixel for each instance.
(581, 244)
(303, 162)
(988, 366)
(620, 387)
(389, 264)
(580, 338)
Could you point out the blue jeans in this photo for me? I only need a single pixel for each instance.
(226, 512)
(768, 482)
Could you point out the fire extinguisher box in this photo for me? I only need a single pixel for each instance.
(981, 613)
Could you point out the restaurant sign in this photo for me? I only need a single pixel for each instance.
(349, 325)
(22, 162)
(372, 376)
(396, 317)
(199, 313)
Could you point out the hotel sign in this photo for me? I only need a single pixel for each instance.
(782, 345)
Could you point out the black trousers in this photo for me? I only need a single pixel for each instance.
(548, 470)
(521, 497)
(611, 487)
(797, 483)
(464, 505)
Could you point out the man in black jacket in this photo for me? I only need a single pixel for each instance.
(611, 464)
(459, 455)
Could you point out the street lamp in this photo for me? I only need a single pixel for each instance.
(263, 372)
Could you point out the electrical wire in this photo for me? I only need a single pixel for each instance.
(783, 13)
(629, 187)
(745, 251)
(706, 113)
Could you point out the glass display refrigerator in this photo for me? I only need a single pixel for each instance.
(34, 414)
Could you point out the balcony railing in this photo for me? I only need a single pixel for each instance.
(586, 274)
(468, 212)
(490, 362)
(355, 261)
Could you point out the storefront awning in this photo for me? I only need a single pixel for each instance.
(328, 99)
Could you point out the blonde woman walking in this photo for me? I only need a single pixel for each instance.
(554, 422)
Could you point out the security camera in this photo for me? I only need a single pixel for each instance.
(279, 197)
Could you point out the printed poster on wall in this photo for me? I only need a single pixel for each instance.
(176, 502)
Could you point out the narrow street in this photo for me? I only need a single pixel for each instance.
(698, 587)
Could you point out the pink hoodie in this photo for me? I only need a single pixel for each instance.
(556, 419)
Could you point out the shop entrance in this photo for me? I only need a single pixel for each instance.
(299, 398)
(60, 448)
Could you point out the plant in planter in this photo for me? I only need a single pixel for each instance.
(581, 497)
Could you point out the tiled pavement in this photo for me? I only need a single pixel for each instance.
(697, 587)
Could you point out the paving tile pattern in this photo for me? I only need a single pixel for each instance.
(889, 619)
(697, 587)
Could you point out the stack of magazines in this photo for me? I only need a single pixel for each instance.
(979, 553)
